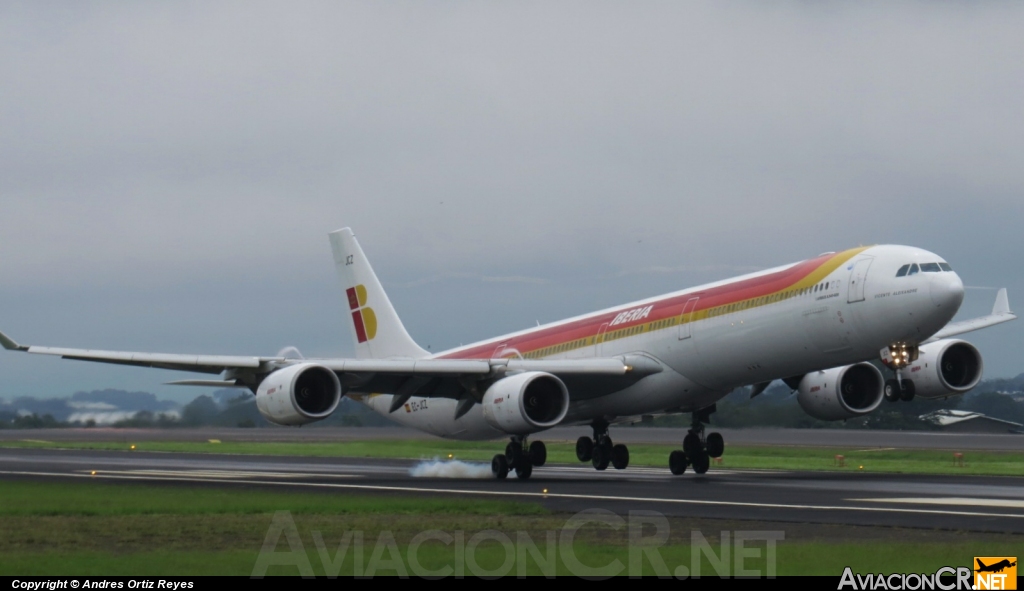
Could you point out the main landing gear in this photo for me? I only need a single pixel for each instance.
(896, 357)
(600, 451)
(697, 449)
(519, 456)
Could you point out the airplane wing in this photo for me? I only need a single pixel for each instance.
(378, 374)
(1000, 313)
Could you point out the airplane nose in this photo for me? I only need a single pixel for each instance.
(947, 290)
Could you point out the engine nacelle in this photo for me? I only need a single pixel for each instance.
(526, 403)
(945, 368)
(298, 394)
(841, 392)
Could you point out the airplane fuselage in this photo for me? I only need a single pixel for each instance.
(834, 310)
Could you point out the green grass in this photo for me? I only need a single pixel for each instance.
(744, 457)
(22, 497)
(92, 528)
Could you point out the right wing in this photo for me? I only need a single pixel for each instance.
(1000, 313)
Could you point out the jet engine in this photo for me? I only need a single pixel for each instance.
(526, 403)
(298, 394)
(945, 368)
(841, 392)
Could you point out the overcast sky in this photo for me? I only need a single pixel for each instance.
(169, 171)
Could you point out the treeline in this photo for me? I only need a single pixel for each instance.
(777, 407)
(225, 408)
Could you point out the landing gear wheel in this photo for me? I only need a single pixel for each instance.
(523, 472)
(538, 453)
(499, 467)
(892, 390)
(514, 454)
(715, 445)
(701, 462)
(677, 462)
(691, 443)
(620, 457)
(602, 455)
(908, 391)
(584, 449)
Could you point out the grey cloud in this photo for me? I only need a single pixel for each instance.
(199, 148)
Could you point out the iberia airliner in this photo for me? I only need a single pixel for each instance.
(846, 330)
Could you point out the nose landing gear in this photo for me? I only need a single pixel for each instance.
(698, 449)
(519, 456)
(601, 451)
(897, 357)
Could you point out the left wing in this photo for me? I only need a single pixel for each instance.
(1000, 313)
(249, 371)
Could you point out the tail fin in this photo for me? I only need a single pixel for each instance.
(376, 329)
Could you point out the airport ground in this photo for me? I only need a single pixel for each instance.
(106, 510)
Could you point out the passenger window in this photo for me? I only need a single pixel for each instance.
(903, 271)
(945, 267)
(913, 269)
(930, 268)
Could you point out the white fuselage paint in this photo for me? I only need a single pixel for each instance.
(865, 308)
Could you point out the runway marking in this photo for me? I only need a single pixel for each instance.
(955, 501)
(215, 474)
(530, 495)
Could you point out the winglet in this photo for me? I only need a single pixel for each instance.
(10, 345)
(1002, 305)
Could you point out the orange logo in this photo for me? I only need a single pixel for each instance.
(363, 317)
(995, 572)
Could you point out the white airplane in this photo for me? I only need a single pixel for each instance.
(817, 325)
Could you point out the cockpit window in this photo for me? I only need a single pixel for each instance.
(930, 268)
(945, 267)
(913, 269)
(903, 270)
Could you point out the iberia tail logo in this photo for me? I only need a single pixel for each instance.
(363, 317)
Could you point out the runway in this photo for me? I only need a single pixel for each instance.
(965, 503)
(859, 438)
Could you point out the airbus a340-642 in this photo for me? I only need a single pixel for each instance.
(846, 330)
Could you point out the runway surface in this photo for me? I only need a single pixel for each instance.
(860, 438)
(967, 503)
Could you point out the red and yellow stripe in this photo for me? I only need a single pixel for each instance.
(715, 301)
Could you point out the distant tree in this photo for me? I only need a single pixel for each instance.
(201, 411)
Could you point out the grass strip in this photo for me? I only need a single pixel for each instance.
(650, 455)
(22, 497)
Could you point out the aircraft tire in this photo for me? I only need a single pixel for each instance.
(499, 466)
(584, 449)
(524, 471)
(513, 454)
(602, 455)
(691, 443)
(620, 457)
(892, 390)
(538, 453)
(909, 389)
(701, 462)
(677, 462)
(715, 444)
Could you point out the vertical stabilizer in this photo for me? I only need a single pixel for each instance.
(376, 329)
